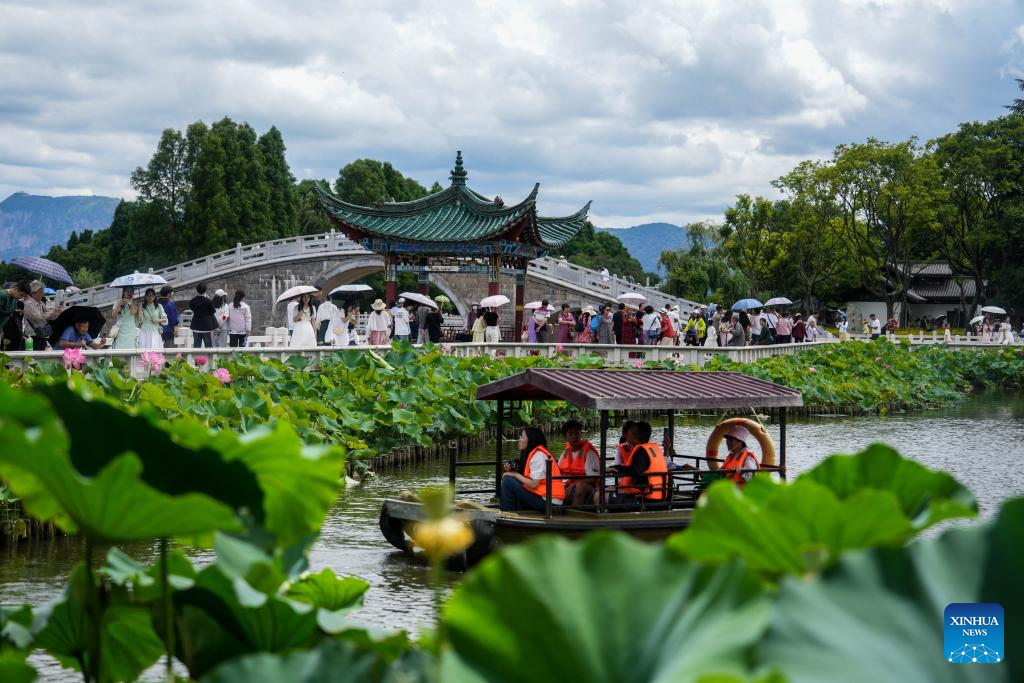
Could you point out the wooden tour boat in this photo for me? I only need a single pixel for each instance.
(606, 391)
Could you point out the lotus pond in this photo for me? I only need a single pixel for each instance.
(273, 576)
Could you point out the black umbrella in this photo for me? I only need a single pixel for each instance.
(70, 316)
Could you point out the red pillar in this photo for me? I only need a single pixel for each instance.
(520, 299)
(493, 271)
(423, 278)
(390, 277)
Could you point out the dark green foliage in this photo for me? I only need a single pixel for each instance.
(368, 181)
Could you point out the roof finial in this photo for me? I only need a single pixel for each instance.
(459, 174)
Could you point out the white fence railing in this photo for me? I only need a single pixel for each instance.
(614, 355)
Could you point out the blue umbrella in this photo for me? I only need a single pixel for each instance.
(744, 304)
(43, 266)
(49, 291)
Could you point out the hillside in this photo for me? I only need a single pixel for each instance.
(31, 224)
(646, 242)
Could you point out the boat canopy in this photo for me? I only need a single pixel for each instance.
(640, 389)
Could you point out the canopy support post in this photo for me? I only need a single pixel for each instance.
(493, 271)
(782, 443)
(390, 277)
(601, 503)
(520, 294)
(497, 450)
(671, 435)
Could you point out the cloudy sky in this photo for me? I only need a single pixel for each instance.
(656, 110)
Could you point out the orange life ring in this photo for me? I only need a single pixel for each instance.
(756, 430)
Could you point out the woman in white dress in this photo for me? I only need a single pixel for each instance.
(127, 316)
(153, 317)
(303, 334)
(337, 328)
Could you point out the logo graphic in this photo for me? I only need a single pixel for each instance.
(973, 633)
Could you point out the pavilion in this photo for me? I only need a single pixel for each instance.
(455, 230)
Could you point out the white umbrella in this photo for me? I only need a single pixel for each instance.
(533, 305)
(418, 298)
(138, 280)
(296, 291)
(631, 297)
(495, 300)
(351, 289)
(778, 301)
(993, 309)
(976, 320)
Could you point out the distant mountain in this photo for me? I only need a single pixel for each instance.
(646, 242)
(31, 224)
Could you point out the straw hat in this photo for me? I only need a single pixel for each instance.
(590, 310)
(378, 305)
(740, 433)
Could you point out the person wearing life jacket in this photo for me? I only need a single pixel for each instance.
(579, 459)
(623, 449)
(643, 472)
(525, 488)
(740, 463)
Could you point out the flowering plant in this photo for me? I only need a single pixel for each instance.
(200, 361)
(154, 360)
(223, 375)
(73, 358)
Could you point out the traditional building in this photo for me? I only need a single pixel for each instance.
(455, 230)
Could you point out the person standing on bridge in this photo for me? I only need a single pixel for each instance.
(171, 327)
(204, 319)
(239, 321)
(378, 324)
(303, 333)
(324, 314)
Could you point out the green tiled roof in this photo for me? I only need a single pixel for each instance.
(455, 214)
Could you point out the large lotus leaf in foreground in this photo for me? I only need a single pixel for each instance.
(878, 615)
(608, 608)
(166, 465)
(115, 505)
(873, 498)
(333, 660)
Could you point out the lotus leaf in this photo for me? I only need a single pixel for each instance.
(805, 526)
(14, 668)
(608, 608)
(332, 660)
(878, 614)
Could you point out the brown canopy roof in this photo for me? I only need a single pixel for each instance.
(639, 389)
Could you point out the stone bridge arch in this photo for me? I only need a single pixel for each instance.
(354, 269)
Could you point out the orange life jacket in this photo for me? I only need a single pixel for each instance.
(623, 450)
(576, 467)
(656, 472)
(734, 463)
(557, 486)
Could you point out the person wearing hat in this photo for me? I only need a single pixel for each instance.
(740, 463)
(378, 324)
(584, 334)
(220, 311)
(668, 330)
(36, 316)
(435, 323)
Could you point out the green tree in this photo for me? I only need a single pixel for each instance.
(166, 180)
(981, 175)
(750, 239)
(815, 255)
(282, 199)
(887, 196)
(310, 214)
(368, 181)
(248, 218)
(702, 272)
(211, 217)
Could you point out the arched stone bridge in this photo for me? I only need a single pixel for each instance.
(266, 269)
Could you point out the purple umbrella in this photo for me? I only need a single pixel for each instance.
(43, 266)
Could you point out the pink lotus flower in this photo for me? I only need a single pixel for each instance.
(73, 358)
(223, 375)
(812, 370)
(638, 364)
(500, 354)
(201, 360)
(559, 348)
(446, 348)
(154, 360)
(878, 358)
(178, 357)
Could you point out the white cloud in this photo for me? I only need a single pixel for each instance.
(658, 110)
